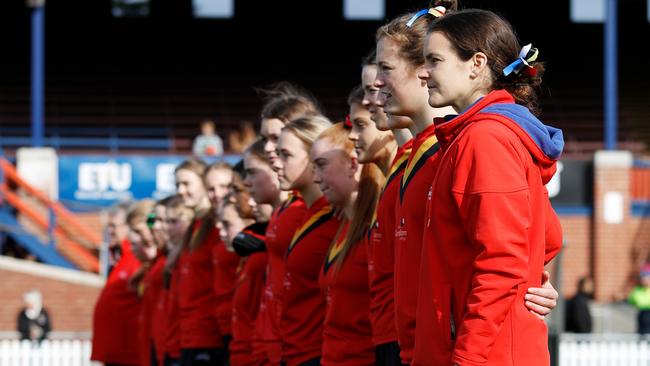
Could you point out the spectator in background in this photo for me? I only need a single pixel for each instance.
(578, 316)
(239, 140)
(208, 143)
(33, 320)
(640, 297)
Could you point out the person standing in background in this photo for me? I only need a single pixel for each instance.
(33, 322)
(208, 143)
(640, 298)
(578, 317)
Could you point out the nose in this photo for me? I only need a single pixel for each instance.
(378, 82)
(353, 135)
(269, 147)
(423, 74)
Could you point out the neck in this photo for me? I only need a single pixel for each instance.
(310, 193)
(422, 119)
(202, 208)
(391, 151)
(283, 196)
(348, 208)
(461, 105)
(402, 136)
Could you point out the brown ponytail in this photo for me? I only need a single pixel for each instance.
(471, 31)
(370, 184)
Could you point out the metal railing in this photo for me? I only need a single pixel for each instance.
(604, 350)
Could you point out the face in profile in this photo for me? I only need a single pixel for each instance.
(334, 171)
(142, 241)
(270, 131)
(189, 186)
(295, 171)
(261, 180)
(369, 142)
(401, 92)
(217, 185)
(230, 224)
(178, 221)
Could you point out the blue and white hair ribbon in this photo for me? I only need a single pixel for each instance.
(527, 54)
(437, 12)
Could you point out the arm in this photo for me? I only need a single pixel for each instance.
(492, 197)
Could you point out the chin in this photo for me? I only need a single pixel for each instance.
(437, 102)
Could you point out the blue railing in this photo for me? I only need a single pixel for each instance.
(112, 139)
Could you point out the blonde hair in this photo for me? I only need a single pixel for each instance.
(307, 129)
(370, 184)
(195, 165)
(139, 212)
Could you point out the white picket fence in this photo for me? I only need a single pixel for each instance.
(57, 352)
(604, 350)
(575, 350)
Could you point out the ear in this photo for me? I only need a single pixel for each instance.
(479, 64)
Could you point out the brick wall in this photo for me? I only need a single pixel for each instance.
(575, 256)
(69, 296)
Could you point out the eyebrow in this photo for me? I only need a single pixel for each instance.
(431, 55)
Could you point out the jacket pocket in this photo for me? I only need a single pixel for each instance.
(529, 333)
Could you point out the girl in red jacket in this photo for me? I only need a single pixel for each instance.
(399, 57)
(230, 224)
(489, 212)
(153, 313)
(347, 333)
(264, 188)
(116, 324)
(178, 219)
(201, 338)
(374, 145)
(303, 304)
(284, 103)
(218, 180)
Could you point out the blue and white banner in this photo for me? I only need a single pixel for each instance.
(87, 181)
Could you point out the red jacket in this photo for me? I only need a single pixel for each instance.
(246, 305)
(347, 334)
(411, 204)
(381, 253)
(153, 286)
(303, 304)
(116, 317)
(197, 300)
(282, 226)
(487, 225)
(225, 274)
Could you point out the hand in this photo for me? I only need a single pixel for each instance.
(541, 301)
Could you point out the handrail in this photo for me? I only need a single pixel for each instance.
(88, 261)
(90, 237)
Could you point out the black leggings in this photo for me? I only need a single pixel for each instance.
(387, 354)
(202, 357)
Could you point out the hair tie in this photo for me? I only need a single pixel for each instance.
(527, 55)
(348, 123)
(437, 12)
